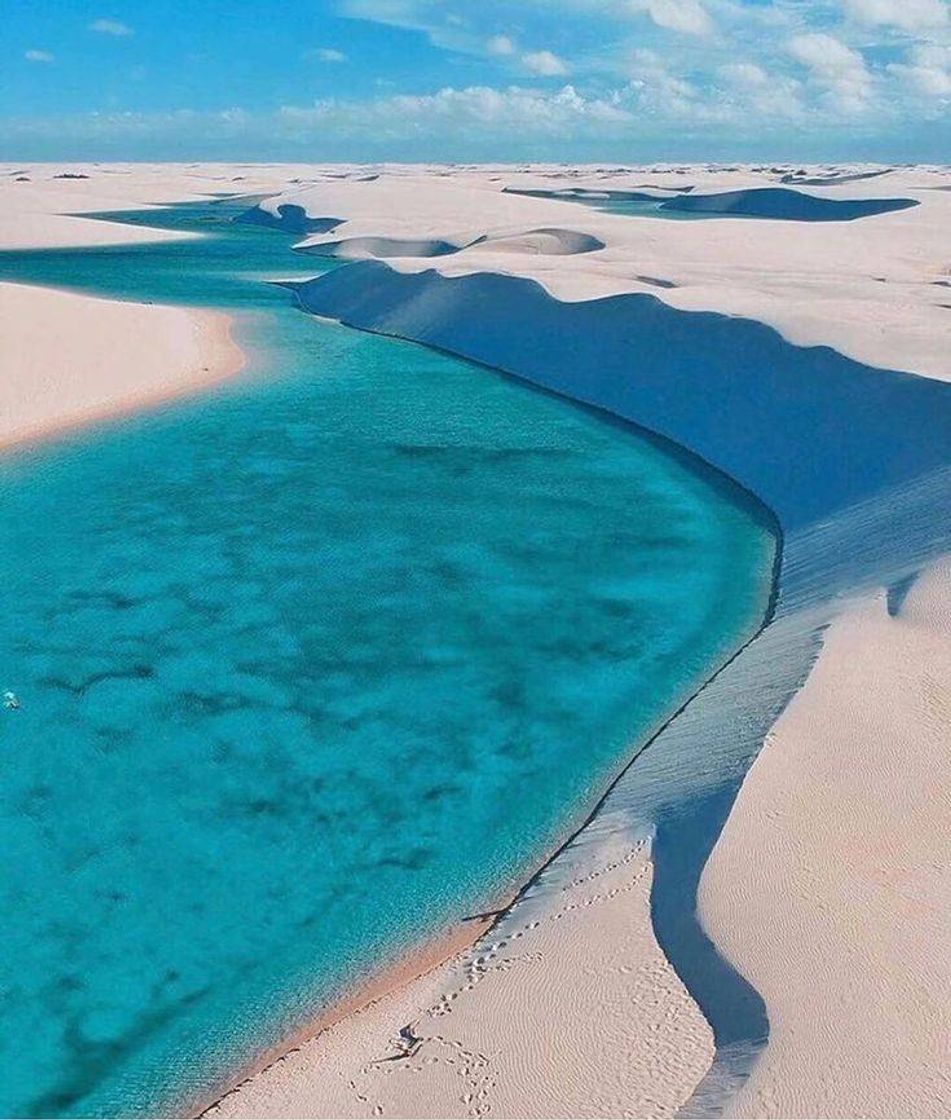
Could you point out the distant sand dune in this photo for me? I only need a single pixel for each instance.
(547, 242)
(359, 248)
(786, 205)
(289, 217)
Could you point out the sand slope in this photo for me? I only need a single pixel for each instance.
(830, 887)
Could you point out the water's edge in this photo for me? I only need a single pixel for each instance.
(706, 819)
(790, 393)
(732, 1007)
(709, 474)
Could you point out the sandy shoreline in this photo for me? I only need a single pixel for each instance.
(533, 1021)
(427, 983)
(69, 360)
(599, 1020)
(409, 969)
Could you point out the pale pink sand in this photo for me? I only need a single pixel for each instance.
(569, 1009)
(830, 887)
(67, 359)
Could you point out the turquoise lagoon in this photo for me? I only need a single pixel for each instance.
(310, 666)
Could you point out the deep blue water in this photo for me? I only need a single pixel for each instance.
(311, 665)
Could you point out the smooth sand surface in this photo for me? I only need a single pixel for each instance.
(830, 886)
(67, 359)
(567, 1009)
(874, 288)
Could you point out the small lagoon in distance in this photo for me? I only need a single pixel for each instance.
(311, 665)
(778, 203)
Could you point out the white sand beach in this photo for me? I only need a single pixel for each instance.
(567, 1009)
(828, 888)
(68, 359)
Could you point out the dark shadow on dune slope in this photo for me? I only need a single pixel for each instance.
(656, 281)
(584, 194)
(850, 458)
(382, 247)
(545, 242)
(784, 204)
(548, 241)
(289, 217)
(712, 382)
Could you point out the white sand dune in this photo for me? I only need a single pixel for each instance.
(840, 914)
(362, 248)
(67, 359)
(547, 242)
(870, 288)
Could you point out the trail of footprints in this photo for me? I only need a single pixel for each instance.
(473, 1067)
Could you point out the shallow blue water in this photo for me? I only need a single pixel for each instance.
(309, 666)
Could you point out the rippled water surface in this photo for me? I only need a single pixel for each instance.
(309, 666)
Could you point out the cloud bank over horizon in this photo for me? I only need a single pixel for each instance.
(507, 79)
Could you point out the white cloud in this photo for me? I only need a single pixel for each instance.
(907, 15)
(649, 73)
(835, 67)
(743, 74)
(723, 75)
(326, 54)
(686, 16)
(38, 56)
(111, 27)
(500, 45)
(928, 70)
(544, 63)
(516, 111)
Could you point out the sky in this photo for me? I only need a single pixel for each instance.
(476, 80)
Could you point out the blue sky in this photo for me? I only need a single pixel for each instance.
(368, 80)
